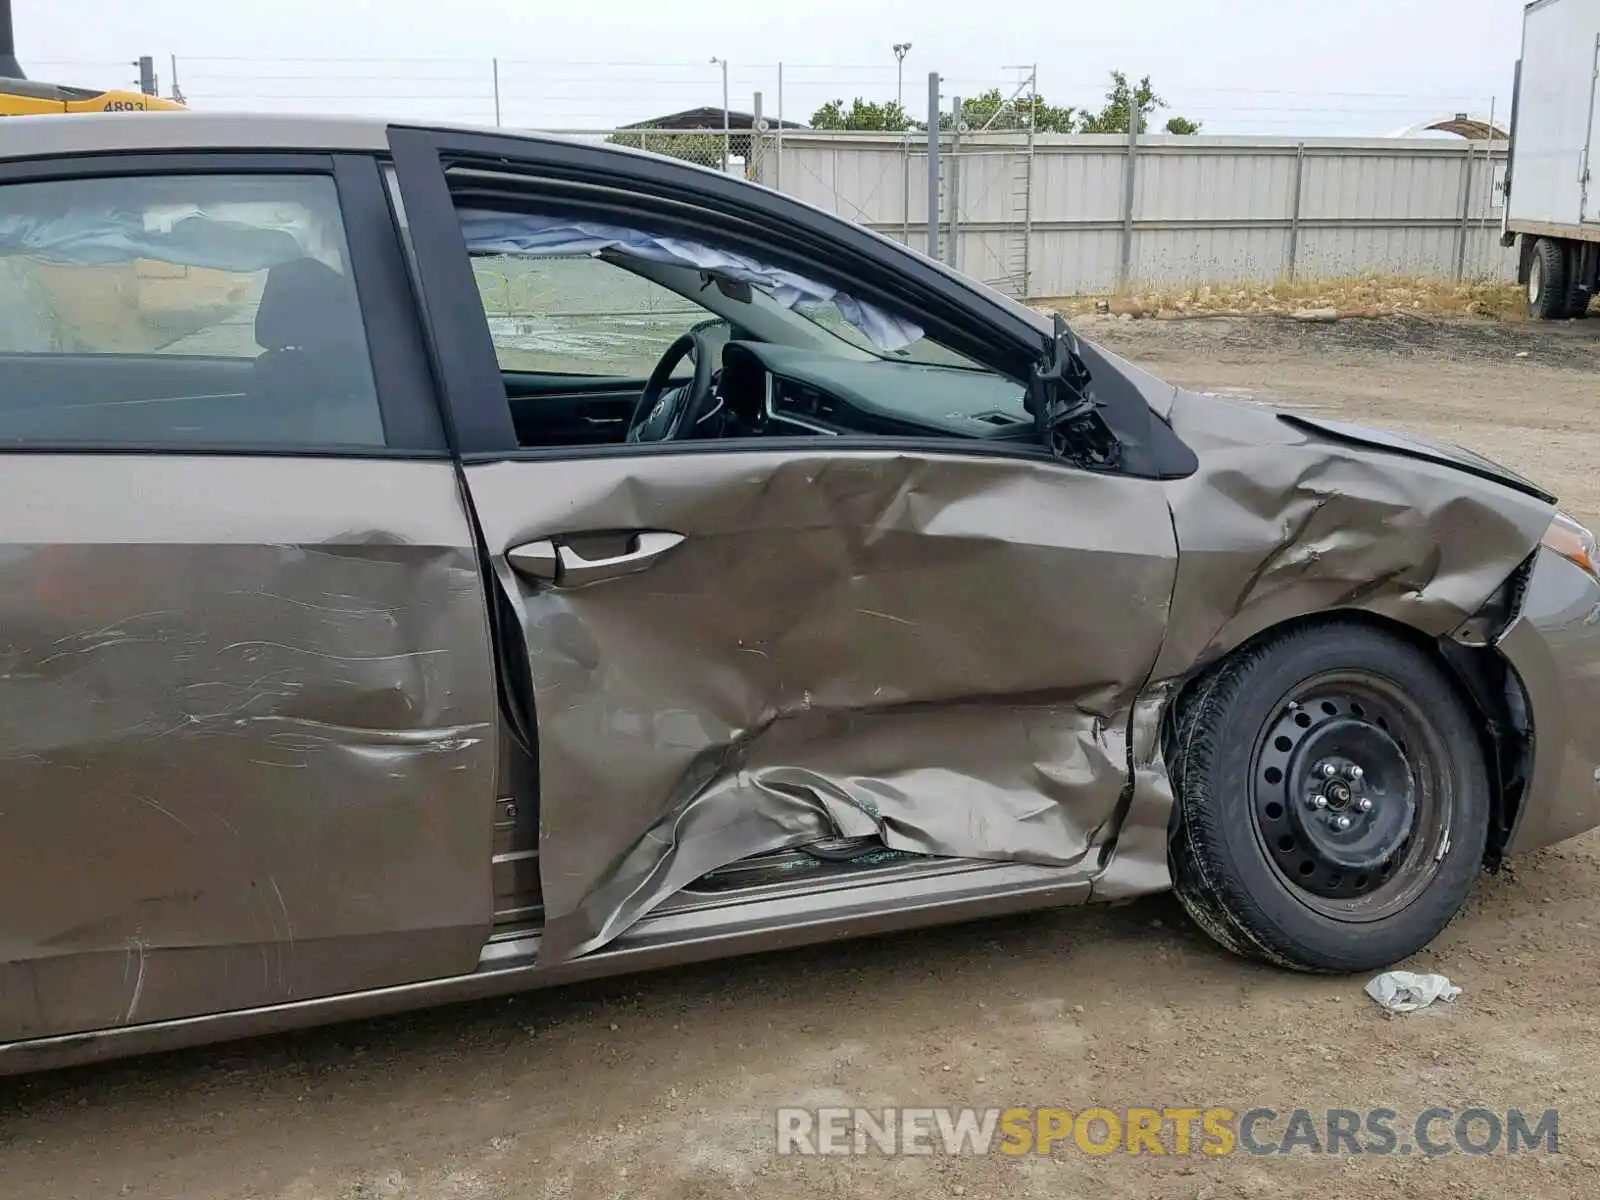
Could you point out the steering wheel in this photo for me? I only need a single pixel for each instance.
(665, 413)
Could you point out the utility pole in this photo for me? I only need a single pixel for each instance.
(177, 91)
(727, 132)
(933, 165)
(10, 68)
(900, 51)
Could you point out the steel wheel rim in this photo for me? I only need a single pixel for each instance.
(1334, 742)
(1535, 282)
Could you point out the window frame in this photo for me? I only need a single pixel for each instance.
(401, 371)
(471, 380)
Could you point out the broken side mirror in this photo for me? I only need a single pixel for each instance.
(1065, 412)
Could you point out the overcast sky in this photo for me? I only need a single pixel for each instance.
(1287, 67)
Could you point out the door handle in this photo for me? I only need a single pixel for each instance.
(549, 561)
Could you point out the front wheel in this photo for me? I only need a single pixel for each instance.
(1333, 803)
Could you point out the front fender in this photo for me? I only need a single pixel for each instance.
(1283, 520)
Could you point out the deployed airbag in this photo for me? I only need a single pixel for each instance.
(534, 235)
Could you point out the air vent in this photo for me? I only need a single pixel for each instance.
(808, 402)
(998, 418)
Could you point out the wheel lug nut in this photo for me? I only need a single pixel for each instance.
(1357, 773)
(1319, 802)
(1365, 804)
(1329, 770)
(1342, 824)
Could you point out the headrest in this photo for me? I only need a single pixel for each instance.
(306, 304)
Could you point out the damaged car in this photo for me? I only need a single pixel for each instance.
(441, 562)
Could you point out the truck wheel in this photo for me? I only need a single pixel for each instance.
(1332, 800)
(1577, 305)
(1548, 281)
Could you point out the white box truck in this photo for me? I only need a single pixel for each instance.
(1552, 189)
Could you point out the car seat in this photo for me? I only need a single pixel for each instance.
(313, 382)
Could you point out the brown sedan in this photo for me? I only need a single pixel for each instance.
(439, 562)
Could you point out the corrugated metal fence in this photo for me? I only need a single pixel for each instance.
(1073, 215)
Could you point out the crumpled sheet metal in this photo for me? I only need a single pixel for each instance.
(942, 650)
(970, 657)
(227, 754)
(1280, 522)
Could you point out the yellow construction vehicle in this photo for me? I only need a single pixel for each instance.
(21, 96)
(25, 97)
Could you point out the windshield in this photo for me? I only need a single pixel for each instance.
(829, 319)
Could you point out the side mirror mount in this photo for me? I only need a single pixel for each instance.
(1066, 414)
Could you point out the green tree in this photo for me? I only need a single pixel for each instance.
(890, 116)
(1122, 101)
(992, 111)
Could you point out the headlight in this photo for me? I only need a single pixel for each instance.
(1573, 542)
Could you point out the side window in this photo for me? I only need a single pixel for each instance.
(578, 315)
(585, 312)
(181, 311)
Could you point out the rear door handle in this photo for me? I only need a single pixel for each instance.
(550, 561)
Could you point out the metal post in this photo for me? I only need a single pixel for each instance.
(496, 66)
(933, 164)
(727, 133)
(147, 75)
(901, 49)
(905, 186)
(777, 167)
(1466, 212)
(1294, 213)
(752, 153)
(177, 91)
(1488, 176)
(953, 189)
(1125, 271)
(1027, 194)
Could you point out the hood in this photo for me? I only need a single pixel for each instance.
(1411, 446)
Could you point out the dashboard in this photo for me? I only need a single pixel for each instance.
(783, 391)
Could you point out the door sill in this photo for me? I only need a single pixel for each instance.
(686, 930)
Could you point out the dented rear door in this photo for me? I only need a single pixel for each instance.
(248, 747)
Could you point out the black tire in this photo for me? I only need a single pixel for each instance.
(1576, 307)
(1549, 283)
(1247, 829)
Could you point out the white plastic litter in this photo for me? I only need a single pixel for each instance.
(1404, 992)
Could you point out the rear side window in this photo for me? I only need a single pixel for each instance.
(181, 311)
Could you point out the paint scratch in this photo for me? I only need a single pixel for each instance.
(868, 612)
(165, 812)
(138, 984)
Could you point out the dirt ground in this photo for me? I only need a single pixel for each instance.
(664, 1086)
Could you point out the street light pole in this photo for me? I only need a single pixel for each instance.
(900, 50)
(727, 139)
